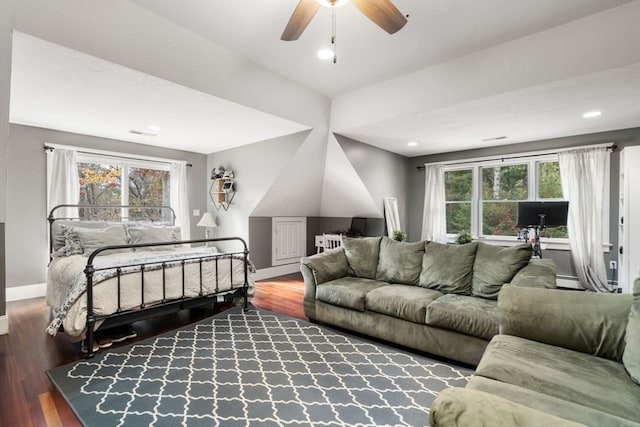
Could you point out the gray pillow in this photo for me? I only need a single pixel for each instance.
(494, 266)
(142, 235)
(631, 355)
(448, 268)
(58, 229)
(362, 255)
(400, 262)
(94, 239)
(71, 242)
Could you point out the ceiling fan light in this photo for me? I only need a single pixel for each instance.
(325, 54)
(336, 3)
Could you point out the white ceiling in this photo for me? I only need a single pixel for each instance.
(63, 89)
(438, 30)
(59, 88)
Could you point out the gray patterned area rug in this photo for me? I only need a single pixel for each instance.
(255, 369)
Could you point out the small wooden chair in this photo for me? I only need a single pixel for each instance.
(332, 241)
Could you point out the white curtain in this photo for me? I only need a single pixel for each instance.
(392, 216)
(582, 173)
(63, 184)
(434, 219)
(180, 198)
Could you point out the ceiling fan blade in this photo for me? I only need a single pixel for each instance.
(299, 20)
(383, 13)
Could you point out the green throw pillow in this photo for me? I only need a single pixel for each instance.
(448, 268)
(400, 262)
(362, 255)
(494, 266)
(631, 355)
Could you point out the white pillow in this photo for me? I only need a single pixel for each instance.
(94, 239)
(143, 235)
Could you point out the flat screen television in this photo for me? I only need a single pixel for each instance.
(555, 214)
(358, 227)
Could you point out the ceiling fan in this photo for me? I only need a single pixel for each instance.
(382, 12)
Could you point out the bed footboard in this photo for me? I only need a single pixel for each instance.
(210, 285)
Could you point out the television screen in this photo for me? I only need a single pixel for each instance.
(358, 226)
(555, 213)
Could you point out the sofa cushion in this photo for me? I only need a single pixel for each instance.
(458, 407)
(589, 322)
(347, 292)
(598, 383)
(400, 262)
(362, 255)
(466, 314)
(538, 273)
(448, 268)
(548, 404)
(494, 266)
(401, 301)
(631, 356)
(328, 265)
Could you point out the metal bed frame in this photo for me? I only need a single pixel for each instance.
(165, 306)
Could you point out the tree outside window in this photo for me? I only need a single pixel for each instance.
(107, 184)
(483, 197)
(502, 188)
(458, 193)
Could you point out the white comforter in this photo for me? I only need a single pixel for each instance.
(66, 282)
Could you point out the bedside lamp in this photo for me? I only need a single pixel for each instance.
(207, 221)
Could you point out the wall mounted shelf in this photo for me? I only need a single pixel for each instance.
(221, 192)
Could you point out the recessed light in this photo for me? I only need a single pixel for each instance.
(154, 128)
(591, 114)
(412, 143)
(328, 3)
(325, 54)
(494, 138)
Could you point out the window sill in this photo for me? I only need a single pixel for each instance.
(556, 245)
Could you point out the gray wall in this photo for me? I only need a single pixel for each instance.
(26, 227)
(269, 169)
(621, 138)
(384, 174)
(5, 86)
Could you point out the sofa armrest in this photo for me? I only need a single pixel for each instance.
(588, 322)
(467, 407)
(538, 273)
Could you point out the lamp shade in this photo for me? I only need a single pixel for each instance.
(207, 220)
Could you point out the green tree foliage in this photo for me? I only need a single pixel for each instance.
(549, 184)
(148, 187)
(458, 188)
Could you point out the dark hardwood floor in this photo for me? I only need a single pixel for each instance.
(28, 398)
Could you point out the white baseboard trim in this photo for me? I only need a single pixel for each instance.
(567, 282)
(18, 293)
(267, 273)
(4, 325)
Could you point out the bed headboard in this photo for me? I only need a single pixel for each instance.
(109, 213)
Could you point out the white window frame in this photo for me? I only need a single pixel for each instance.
(532, 178)
(124, 164)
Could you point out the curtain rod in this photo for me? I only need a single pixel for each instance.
(98, 153)
(520, 156)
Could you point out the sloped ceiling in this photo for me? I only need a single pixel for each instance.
(443, 81)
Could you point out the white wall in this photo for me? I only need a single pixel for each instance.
(26, 226)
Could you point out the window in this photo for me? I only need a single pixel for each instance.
(483, 197)
(112, 181)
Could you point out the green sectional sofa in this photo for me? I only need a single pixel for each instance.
(441, 299)
(562, 358)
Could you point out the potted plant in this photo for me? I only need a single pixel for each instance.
(399, 235)
(464, 237)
